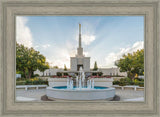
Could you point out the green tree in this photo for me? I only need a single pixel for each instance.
(95, 66)
(56, 67)
(43, 67)
(21, 59)
(28, 60)
(132, 63)
(65, 68)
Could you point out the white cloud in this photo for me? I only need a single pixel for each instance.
(112, 57)
(49, 61)
(35, 47)
(61, 55)
(86, 53)
(23, 33)
(88, 32)
(87, 39)
(46, 46)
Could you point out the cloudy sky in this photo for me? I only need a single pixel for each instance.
(104, 38)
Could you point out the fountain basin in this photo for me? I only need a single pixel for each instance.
(97, 93)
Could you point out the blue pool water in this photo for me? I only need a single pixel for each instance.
(65, 87)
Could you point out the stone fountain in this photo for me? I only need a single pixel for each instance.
(84, 90)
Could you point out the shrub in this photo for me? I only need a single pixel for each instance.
(36, 75)
(126, 81)
(28, 82)
(100, 74)
(129, 81)
(94, 74)
(59, 74)
(20, 82)
(122, 84)
(140, 79)
(66, 74)
(136, 82)
(20, 79)
(141, 84)
(116, 82)
(36, 82)
(46, 82)
(33, 81)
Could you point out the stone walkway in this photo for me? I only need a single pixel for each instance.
(129, 94)
(125, 95)
(31, 93)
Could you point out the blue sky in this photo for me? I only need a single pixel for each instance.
(104, 38)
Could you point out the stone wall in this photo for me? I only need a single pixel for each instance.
(105, 71)
(107, 82)
(117, 78)
(112, 72)
(44, 78)
(53, 82)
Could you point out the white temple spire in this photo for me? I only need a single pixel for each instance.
(79, 35)
(80, 49)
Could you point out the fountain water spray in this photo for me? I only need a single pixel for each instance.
(80, 81)
(76, 81)
(90, 84)
(69, 83)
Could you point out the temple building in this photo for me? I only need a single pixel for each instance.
(80, 60)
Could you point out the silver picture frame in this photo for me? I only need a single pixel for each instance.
(9, 9)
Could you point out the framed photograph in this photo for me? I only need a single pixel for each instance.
(79, 58)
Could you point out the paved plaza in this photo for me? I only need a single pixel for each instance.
(35, 95)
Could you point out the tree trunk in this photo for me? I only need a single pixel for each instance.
(25, 73)
(130, 74)
(30, 73)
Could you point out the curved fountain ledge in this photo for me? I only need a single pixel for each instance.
(83, 90)
(87, 94)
